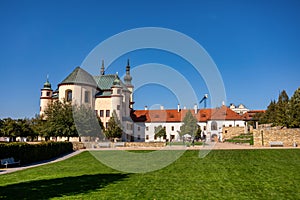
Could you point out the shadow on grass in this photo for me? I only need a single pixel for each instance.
(45, 189)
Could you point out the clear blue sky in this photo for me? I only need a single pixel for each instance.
(255, 45)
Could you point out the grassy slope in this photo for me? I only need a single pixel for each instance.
(227, 174)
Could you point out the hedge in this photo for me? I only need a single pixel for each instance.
(29, 153)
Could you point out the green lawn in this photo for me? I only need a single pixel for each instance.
(226, 174)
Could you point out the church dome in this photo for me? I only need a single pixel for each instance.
(47, 85)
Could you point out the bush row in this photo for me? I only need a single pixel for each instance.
(29, 153)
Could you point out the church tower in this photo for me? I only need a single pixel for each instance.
(46, 96)
(127, 80)
(117, 97)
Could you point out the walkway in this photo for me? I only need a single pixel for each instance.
(14, 169)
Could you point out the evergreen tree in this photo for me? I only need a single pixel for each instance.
(198, 133)
(189, 125)
(114, 129)
(88, 124)
(284, 112)
(281, 111)
(294, 110)
(269, 116)
(160, 131)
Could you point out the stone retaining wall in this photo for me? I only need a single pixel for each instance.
(230, 132)
(264, 135)
(145, 144)
(95, 145)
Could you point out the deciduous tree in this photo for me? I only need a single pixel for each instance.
(59, 120)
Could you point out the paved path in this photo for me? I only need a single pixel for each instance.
(215, 146)
(10, 170)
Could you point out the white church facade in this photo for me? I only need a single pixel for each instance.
(106, 93)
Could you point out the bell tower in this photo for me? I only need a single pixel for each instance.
(46, 96)
(127, 80)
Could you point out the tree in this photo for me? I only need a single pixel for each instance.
(87, 122)
(25, 128)
(1, 126)
(198, 133)
(160, 131)
(11, 129)
(39, 128)
(294, 109)
(114, 129)
(281, 114)
(189, 125)
(59, 120)
(284, 112)
(269, 116)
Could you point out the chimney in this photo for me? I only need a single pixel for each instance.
(146, 108)
(178, 108)
(195, 108)
(162, 107)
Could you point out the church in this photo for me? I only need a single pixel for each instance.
(106, 93)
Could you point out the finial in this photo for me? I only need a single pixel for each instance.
(128, 62)
(47, 84)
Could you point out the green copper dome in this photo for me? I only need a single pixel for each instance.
(47, 85)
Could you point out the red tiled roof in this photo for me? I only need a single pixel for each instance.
(203, 115)
(250, 114)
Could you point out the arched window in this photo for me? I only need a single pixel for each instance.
(68, 96)
(214, 126)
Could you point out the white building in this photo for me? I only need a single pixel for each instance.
(211, 122)
(240, 109)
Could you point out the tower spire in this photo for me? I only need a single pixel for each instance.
(102, 72)
(128, 77)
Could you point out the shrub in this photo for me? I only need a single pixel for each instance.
(29, 153)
